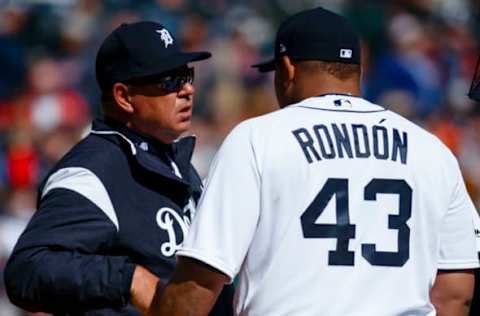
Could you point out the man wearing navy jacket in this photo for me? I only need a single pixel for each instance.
(112, 213)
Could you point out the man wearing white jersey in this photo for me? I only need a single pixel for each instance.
(331, 206)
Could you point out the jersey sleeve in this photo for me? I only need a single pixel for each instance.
(228, 211)
(457, 235)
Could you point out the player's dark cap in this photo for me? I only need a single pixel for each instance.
(139, 50)
(315, 34)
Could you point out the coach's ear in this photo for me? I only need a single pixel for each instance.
(122, 97)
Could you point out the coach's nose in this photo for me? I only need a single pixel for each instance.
(186, 90)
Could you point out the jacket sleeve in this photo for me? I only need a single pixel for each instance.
(60, 262)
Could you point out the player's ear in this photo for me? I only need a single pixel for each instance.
(289, 68)
(122, 97)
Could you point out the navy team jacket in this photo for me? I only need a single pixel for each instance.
(113, 201)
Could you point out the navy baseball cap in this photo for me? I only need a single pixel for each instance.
(315, 34)
(138, 50)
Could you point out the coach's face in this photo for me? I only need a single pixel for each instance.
(160, 113)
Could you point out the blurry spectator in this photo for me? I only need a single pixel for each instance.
(408, 66)
(12, 59)
(167, 11)
(21, 162)
(42, 31)
(48, 101)
(369, 18)
(80, 24)
(195, 35)
(18, 210)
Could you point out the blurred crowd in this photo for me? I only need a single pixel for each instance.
(419, 57)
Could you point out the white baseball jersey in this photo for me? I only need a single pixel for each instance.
(333, 206)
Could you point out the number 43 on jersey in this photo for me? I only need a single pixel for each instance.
(343, 230)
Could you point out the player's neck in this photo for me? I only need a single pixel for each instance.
(314, 88)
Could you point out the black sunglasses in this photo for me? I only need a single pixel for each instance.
(171, 81)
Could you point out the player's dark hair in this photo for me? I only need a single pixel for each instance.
(341, 71)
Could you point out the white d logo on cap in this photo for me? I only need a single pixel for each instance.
(346, 53)
(165, 37)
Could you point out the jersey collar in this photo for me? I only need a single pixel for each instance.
(339, 102)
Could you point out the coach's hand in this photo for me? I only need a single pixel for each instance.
(143, 288)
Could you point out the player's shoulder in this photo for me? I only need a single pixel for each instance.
(266, 123)
(424, 140)
(419, 132)
(251, 133)
(254, 124)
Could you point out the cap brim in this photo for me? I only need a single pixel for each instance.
(265, 66)
(173, 62)
(196, 56)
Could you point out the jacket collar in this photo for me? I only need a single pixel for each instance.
(149, 152)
